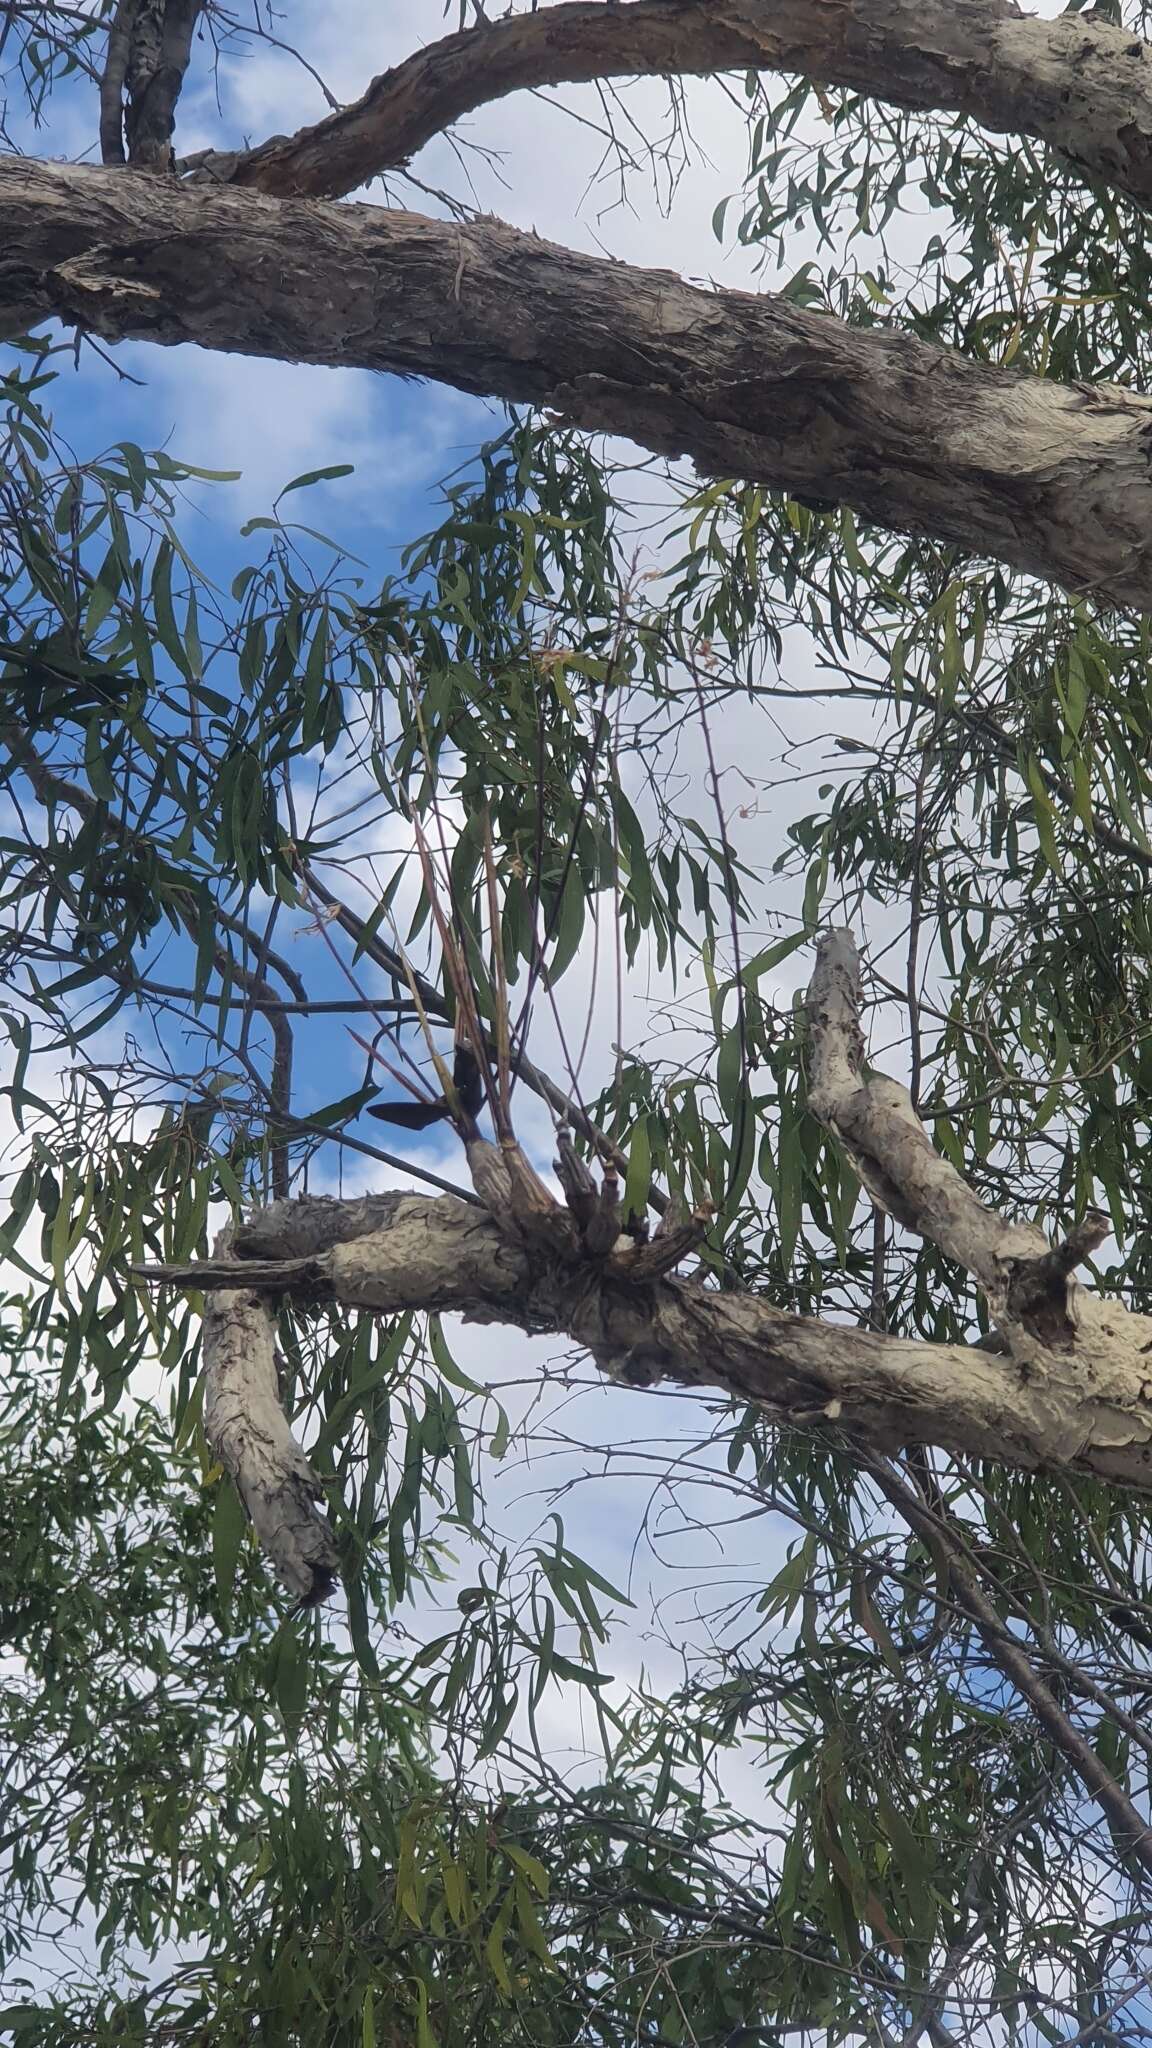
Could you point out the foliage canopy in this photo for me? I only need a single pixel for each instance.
(604, 720)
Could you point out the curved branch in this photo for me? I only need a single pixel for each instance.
(1086, 1410)
(1084, 86)
(247, 1428)
(1029, 1285)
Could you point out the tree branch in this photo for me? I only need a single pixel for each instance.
(1082, 85)
(1051, 478)
(247, 1428)
(149, 44)
(1060, 1410)
(376, 949)
(1010, 1656)
(1029, 1285)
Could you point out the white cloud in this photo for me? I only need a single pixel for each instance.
(273, 421)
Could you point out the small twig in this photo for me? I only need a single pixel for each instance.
(1010, 1657)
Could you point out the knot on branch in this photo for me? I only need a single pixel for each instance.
(1039, 1291)
(591, 1225)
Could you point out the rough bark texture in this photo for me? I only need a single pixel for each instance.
(149, 44)
(1029, 1285)
(1083, 85)
(1073, 1392)
(162, 45)
(247, 1428)
(113, 81)
(1052, 478)
(1088, 1408)
(890, 1150)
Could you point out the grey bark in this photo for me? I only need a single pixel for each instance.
(1082, 85)
(1086, 1406)
(1071, 1392)
(247, 1428)
(149, 45)
(1029, 1285)
(113, 81)
(1052, 478)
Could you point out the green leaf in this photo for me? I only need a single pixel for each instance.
(100, 780)
(229, 1524)
(763, 963)
(494, 1944)
(425, 2038)
(638, 1181)
(531, 1866)
(316, 476)
(290, 1675)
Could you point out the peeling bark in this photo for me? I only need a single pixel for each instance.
(890, 1150)
(1082, 85)
(149, 45)
(1087, 1408)
(162, 47)
(247, 1428)
(1052, 479)
(1055, 479)
(112, 81)
(1073, 1390)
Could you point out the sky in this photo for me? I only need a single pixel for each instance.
(677, 1541)
(537, 161)
(542, 162)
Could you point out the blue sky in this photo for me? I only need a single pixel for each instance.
(544, 169)
(274, 421)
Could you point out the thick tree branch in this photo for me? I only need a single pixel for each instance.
(1052, 478)
(1073, 1392)
(1058, 1409)
(1084, 86)
(890, 1151)
(1029, 1285)
(247, 1428)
